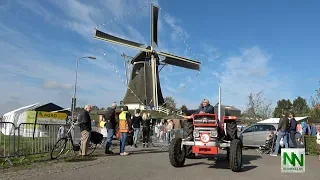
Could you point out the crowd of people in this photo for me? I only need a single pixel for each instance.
(128, 125)
(287, 130)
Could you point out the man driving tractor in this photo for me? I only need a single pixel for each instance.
(207, 130)
(206, 107)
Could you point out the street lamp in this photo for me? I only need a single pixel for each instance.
(73, 108)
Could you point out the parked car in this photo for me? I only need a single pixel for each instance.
(256, 135)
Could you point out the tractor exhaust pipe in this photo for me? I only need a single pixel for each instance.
(219, 107)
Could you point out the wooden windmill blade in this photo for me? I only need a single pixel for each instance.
(116, 40)
(180, 61)
(154, 24)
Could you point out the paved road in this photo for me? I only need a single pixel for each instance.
(152, 164)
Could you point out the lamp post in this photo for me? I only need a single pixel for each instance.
(73, 107)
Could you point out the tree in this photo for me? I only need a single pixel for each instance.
(282, 105)
(258, 107)
(170, 103)
(315, 103)
(184, 109)
(300, 106)
(315, 100)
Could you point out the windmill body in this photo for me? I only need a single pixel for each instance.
(144, 84)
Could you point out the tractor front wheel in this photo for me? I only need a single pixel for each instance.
(228, 154)
(235, 155)
(177, 155)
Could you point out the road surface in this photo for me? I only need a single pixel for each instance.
(152, 164)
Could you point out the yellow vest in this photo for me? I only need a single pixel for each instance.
(102, 124)
(123, 123)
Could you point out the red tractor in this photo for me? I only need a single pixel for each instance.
(209, 134)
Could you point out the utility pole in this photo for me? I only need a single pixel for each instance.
(126, 66)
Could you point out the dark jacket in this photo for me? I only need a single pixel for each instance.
(85, 121)
(136, 121)
(146, 123)
(206, 109)
(283, 124)
(293, 125)
(110, 117)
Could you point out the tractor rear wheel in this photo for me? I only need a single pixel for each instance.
(232, 130)
(235, 155)
(177, 155)
(188, 134)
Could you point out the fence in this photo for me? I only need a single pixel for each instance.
(28, 139)
(7, 141)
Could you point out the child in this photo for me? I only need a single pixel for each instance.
(104, 130)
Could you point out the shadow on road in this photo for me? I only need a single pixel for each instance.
(220, 162)
(79, 159)
(147, 151)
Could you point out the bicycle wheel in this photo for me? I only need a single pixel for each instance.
(58, 148)
(92, 148)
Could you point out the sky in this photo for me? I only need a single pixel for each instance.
(243, 46)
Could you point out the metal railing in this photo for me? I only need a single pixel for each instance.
(7, 141)
(37, 139)
(162, 109)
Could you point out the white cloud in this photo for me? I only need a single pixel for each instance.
(25, 72)
(211, 54)
(178, 30)
(56, 85)
(249, 72)
(31, 75)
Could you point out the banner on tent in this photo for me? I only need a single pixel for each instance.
(45, 118)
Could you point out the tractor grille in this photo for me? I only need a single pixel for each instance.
(204, 120)
(213, 131)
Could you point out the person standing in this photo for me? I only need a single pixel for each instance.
(169, 130)
(85, 129)
(146, 122)
(103, 130)
(282, 130)
(125, 127)
(136, 121)
(293, 130)
(110, 118)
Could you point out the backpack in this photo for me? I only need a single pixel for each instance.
(96, 138)
(130, 139)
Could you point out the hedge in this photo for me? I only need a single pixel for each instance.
(311, 145)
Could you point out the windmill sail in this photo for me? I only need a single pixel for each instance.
(180, 61)
(116, 40)
(154, 25)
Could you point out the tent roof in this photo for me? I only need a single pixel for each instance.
(38, 107)
(24, 108)
(276, 120)
(48, 107)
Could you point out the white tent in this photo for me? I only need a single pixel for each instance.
(276, 120)
(14, 117)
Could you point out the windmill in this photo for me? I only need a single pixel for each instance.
(145, 72)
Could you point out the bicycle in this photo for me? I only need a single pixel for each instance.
(75, 147)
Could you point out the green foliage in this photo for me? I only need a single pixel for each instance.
(282, 105)
(315, 113)
(300, 107)
(315, 102)
(170, 103)
(184, 108)
(311, 145)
